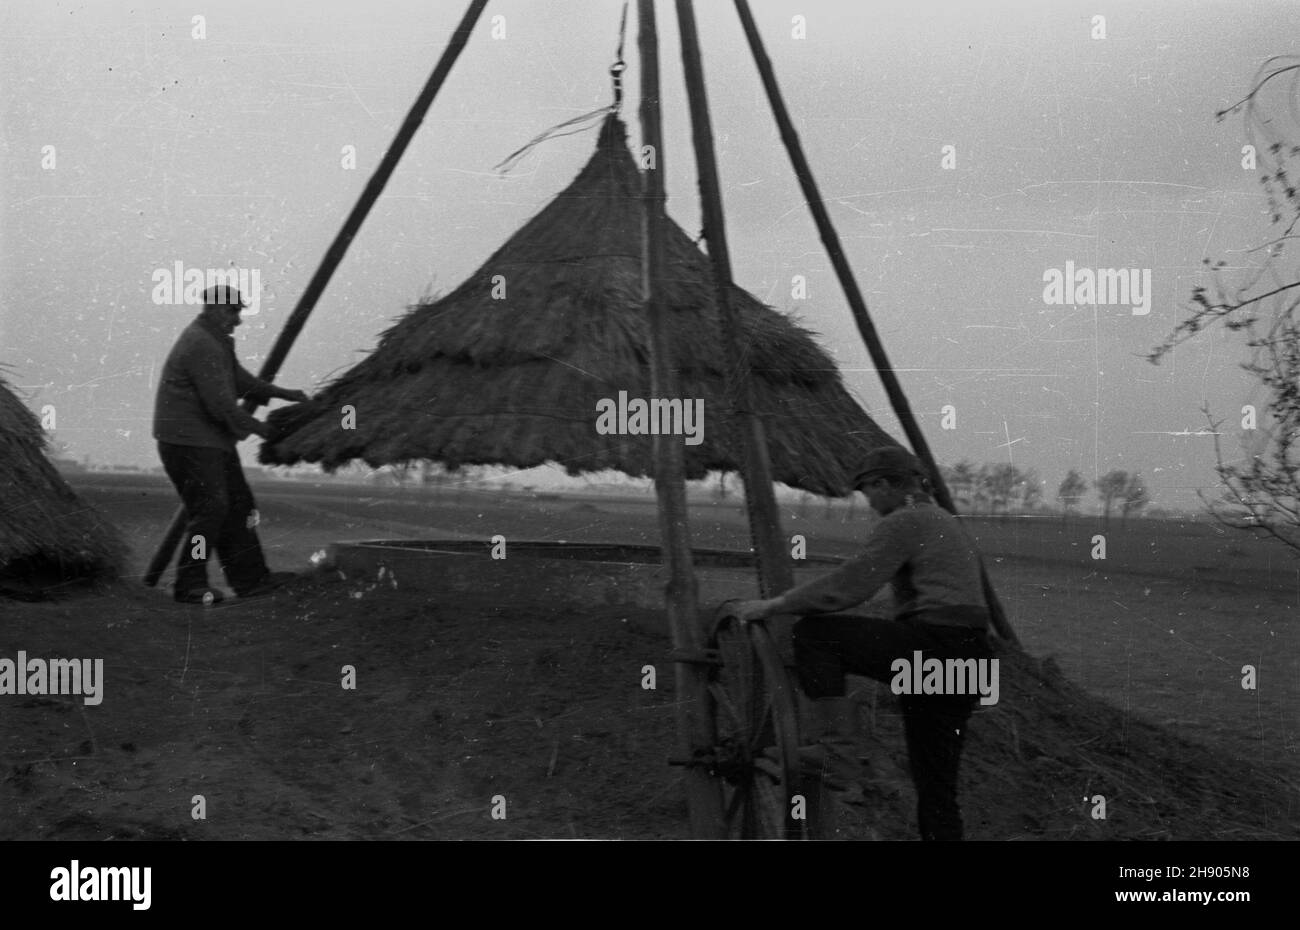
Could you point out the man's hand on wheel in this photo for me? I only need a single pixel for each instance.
(749, 611)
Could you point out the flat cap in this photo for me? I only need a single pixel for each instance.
(889, 462)
(223, 295)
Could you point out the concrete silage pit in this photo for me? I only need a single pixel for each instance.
(586, 574)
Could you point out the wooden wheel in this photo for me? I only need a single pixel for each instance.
(756, 753)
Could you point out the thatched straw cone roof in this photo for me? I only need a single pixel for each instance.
(48, 535)
(480, 377)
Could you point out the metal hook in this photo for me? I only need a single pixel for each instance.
(616, 70)
(616, 75)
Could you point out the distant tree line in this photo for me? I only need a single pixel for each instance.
(1118, 487)
(993, 488)
(1002, 488)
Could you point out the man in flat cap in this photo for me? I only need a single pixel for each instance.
(940, 611)
(197, 422)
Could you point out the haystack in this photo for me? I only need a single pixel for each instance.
(49, 537)
(509, 367)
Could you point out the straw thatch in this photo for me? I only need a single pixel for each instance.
(49, 537)
(478, 377)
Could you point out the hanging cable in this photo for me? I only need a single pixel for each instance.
(586, 120)
(513, 158)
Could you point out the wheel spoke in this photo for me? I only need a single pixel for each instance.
(754, 688)
(769, 768)
(737, 799)
(724, 701)
(749, 828)
(768, 804)
(751, 700)
(759, 736)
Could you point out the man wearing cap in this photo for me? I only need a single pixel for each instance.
(940, 610)
(197, 421)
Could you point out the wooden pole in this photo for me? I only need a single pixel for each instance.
(830, 239)
(694, 722)
(775, 573)
(338, 248)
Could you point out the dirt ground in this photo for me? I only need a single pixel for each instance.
(462, 699)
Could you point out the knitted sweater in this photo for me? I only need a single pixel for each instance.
(924, 553)
(197, 402)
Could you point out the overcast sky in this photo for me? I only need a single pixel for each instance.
(1103, 152)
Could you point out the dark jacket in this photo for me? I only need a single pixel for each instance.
(198, 393)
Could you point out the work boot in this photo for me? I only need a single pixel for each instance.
(204, 595)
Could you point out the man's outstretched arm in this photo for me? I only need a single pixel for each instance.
(204, 366)
(857, 580)
(249, 385)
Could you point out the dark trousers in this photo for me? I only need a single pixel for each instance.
(219, 503)
(828, 646)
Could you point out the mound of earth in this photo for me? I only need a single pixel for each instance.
(1051, 761)
(466, 707)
